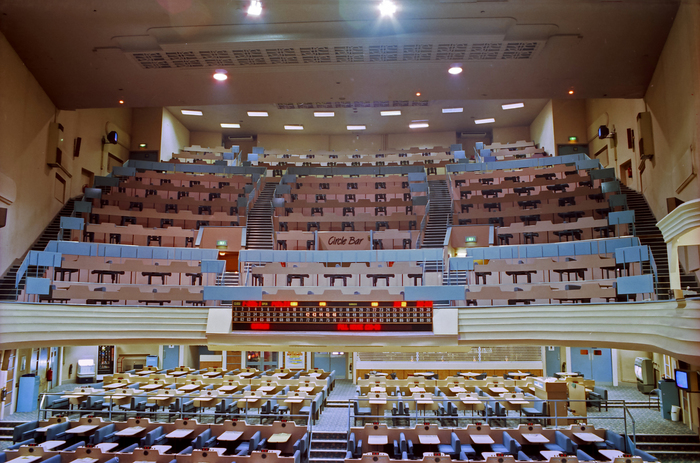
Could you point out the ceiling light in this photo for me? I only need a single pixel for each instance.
(418, 125)
(191, 112)
(220, 75)
(324, 114)
(485, 121)
(293, 127)
(513, 105)
(121, 101)
(452, 110)
(571, 92)
(454, 70)
(387, 8)
(257, 113)
(390, 113)
(255, 8)
(357, 127)
(417, 93)
(230, 126)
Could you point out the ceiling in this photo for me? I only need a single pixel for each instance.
(338, 54)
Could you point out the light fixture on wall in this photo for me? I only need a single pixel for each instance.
(220, 75)
(255, 8)
(387, 8)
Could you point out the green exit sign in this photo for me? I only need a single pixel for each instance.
(574, 139)
(470, 239)
(222, 243)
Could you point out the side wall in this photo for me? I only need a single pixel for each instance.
(174, 136)
(542, 130)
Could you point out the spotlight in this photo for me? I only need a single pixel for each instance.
(454, 70)
(121, 101)
(220, 75)
(571, 92)
(255, 8)
(387, 8)
(417, 93)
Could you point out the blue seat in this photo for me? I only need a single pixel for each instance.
(248, 446)
(508, 445)
(153, 437)
(57, 431)
(74, 447)
(104, 434)
(24, 431)
(19, 444)
(129, 449)
(186, 451)
(113, 460)
(361, 411)
(523, 457)
(204, 439)
(454, 448)
(583, 456)
(631, 448)
(562, 443)
(53, 459)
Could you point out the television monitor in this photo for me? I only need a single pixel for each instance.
(682, 380)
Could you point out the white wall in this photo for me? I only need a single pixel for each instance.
(542, 129)
(510, 134)
(174, 136)
(206, 139)
(71, 355)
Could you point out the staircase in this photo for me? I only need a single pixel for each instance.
(50, 233)
(439, 216)
(259, 232)
(7, 429)
(228, 279)
(649, 235)
(328, 446)
(671, 448)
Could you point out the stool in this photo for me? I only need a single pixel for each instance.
(171, 207)
(214, 196)
(350, 198)
(528, 219)
(465, 221)
(284, 226)
(316, 210)
(350, 225)
(153, 238)
(94, 218)
(202, 223)
(481, 275)
(235, 223)
(530, 237)
(404, 185)
(194, 182)
(164, 222)
(492, 206)
(282, 244)
(381, 224)
(496, 221)
(574, 234)
(189, 241)
(233, 210)
(128, 219)
(104, 202)
(546, 176)
(380, 185)
(515, 179)
(486, 181)
(223, 184)
(115, 238)
(532, 203)
(348, 210)
(310, 244)
(432, 171)
(605, 232)
(320, 198)
(288, 210)
(310, 225)
(377, 244)
(569, 200)
(464, 194)
(276, 172)
(324, 186)
(182, 194)
(407, 243)
(409, 210)
(380, 197)
(151, 193)
(412, 224)
(352, 186)
(380, 210)
(504, 237)
(588, 183)
(202, 209)
(407, 196)
(523, 190)
(163, 181)
(459, 183)
(465, 207)
(88, 236)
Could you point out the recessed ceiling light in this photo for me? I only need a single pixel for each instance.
(571, 92)
(513, 105)
(484, 121)
(357, 127)
(454, 70)
(121, 101)
(191, 112)
(230, 126)
(220, 75)
(293, 127)
(417, 93)
(324, 114)
(418, 125)
(255, 8)
(257, 114)
(387, 8)
(390, 113)
(452, 110)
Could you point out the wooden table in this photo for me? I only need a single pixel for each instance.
(151, 387)
(212, 374)
(219, 450)
(108, 387)
(518, 374)
(377, 405)
(107, 446)
(295, 404)
(481, 438)
(85, 460)
(588, 437)
(551, 453)
(563, 373)
(51, 444)
(279, 438)
(272, 388)
(25, 459)
(429, 439)
(178, 373)
(131, 431)
(179, 433)
(229, 436)
(161, 448)
(469, 374)
(498, 390)
(379, 440)
(611, 454)
(457, 389)
(203, 401)
(190, 387)
(377, 389)
(227, 389)
(535, 438)
(416, 389)
(82, 429)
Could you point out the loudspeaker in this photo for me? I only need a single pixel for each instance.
(3, 216)
(76, 147)
(630, 139)
(603, 132)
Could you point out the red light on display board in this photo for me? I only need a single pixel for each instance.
(259, 326)
(251, 304)
(359, 327)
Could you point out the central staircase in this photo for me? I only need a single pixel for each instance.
(328, 447)
(259, 231)
(439, 215)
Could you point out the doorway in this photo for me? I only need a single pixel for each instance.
(594, 363)
(262, 360)
(625, 174)
(552, 357)
(330, 361)
(171, 357)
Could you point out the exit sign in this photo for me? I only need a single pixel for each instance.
(470, 239)
(222, 243)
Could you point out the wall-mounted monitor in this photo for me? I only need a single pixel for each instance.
(682, 380)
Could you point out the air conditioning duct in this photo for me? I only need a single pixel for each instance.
(471, 134)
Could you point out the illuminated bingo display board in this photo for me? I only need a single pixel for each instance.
(332, 316)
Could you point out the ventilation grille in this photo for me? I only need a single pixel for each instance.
(252, 58)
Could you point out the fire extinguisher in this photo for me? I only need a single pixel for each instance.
(629, 172)
(49, 374)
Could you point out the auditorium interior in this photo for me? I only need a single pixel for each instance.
(372, 205)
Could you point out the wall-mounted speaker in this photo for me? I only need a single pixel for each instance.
(630, 139)
(76, 147)
(3, 216)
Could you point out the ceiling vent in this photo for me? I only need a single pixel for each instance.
(471, 134)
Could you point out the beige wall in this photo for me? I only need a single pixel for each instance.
(206, 139)
(542, 129)
(398, 141)
(625, 364)
(71, 355)
(395, 141)
(673, 98)
(295, 142)
(510, 134)
(621, 115)
(356, 142)
(569, 120)
(26, 113)
(147, 123)
(174, 136)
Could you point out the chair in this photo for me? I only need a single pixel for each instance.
(598, 397)
(24, 431)
(453, 449)
(74, 447)
(508, 445)
(361, 411)
(562, 443)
